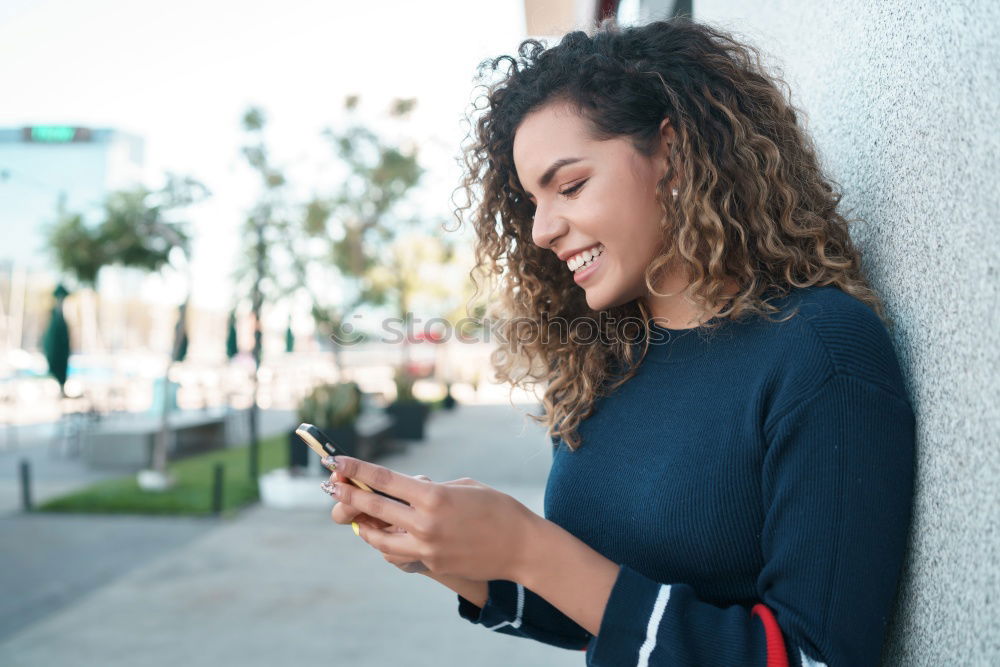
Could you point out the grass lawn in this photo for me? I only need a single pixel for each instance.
(191, 495)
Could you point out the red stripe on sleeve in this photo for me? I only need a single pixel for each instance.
(777, 656)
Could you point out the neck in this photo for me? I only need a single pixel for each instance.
(677, 311)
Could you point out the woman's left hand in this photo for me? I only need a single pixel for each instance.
(461, 528)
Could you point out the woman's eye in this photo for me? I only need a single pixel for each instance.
(573, 190)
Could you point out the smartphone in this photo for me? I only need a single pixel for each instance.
(323, 445)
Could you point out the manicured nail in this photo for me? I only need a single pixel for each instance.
(329, 462)
(326, 486)
(357, 529)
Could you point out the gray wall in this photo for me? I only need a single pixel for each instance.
(903, 99)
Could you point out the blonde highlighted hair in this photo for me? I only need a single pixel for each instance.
(753, 207)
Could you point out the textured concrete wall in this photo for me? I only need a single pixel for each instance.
(903, 99)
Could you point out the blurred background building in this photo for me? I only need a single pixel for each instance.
(43, 167)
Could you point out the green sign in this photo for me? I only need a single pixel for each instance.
(55, 134)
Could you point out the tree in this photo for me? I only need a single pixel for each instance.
(357, 222)
(416, 268)
(266, 228)
(136, 230)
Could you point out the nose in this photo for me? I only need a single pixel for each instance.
(546, 226)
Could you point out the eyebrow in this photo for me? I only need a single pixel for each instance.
(551, 171)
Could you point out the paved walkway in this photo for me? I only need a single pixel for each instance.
(273, 587)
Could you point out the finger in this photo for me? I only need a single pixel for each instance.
(407, 565)
(344, 513)
(399, 544)
(395, 560)
(414, 567)
(388, 510)
(398, 485)
(376, 524)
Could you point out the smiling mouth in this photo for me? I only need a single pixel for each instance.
(582, 260)
(585, 273)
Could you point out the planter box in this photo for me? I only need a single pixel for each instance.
(280, 489)
(409, 419)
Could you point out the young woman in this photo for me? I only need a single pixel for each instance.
(733, 440)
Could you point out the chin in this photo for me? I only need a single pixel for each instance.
(596, 300)
(593, 303)
(600, 298)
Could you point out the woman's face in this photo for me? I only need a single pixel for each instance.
(591, 196)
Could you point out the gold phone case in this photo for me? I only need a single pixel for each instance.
(317, 447)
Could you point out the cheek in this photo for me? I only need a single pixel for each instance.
(636, 236)
(626, 219)
(632, 246)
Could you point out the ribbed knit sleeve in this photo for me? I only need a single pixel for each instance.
(512, 609)
(837, 486)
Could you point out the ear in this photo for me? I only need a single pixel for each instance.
(667, 138)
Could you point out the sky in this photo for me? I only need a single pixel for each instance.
(179, 74)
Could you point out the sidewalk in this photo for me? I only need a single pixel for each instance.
(286, 587)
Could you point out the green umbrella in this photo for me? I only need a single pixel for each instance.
(180, 334)
(55, 342)
(231, 348)
(182, 350)
(289, 337)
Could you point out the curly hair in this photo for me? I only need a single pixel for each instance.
(754, 206)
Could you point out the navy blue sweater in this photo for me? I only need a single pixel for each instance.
(754, 487)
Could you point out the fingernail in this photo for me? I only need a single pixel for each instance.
(329, 462)
(326, 486)
(357, 529)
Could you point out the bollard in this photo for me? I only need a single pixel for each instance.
(25, 485)
(217, 489)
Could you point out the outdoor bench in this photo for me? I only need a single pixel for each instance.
(127, 444)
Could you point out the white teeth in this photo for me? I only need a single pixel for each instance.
(584, 258)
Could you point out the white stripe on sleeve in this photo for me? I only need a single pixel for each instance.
(809, 662)
(654, 625)
(516, 623)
